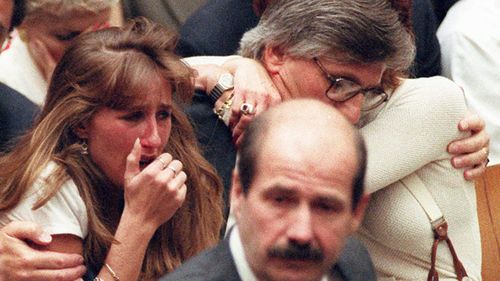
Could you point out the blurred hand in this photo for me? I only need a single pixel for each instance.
(42, 57)
(154, 194)
(19, 261)
(471, 152)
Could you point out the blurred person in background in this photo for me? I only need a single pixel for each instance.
(471, 57)
(48, 28)
(16, 111)
(18, 260)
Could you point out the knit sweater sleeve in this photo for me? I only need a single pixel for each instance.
(412, 130)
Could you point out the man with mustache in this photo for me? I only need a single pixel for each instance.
(296, 200)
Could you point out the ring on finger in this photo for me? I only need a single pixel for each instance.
(173, 170)
(163, 163)
(247, 109)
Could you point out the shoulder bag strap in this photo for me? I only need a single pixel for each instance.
(438, 223)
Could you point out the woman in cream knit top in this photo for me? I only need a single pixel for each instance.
(403, 139)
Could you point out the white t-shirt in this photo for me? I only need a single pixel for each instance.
(470, 56)
(18, 70)
(64, 213)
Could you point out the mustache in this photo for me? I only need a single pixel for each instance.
(295, 251)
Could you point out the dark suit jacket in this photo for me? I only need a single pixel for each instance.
(216, 29)
(428, 58)
(217, 264)
(214, 138)
(171, 13)
(16, 115)
(441, 7)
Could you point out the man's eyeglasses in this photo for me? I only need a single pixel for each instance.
(4, 38)
(341, 89)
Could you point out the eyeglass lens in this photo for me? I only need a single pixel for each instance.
(344, 89)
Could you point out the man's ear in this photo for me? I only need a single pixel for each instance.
(359, 213)
(273, 59)
(81, 130)
(236, 193)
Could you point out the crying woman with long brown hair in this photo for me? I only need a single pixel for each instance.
(112, 169)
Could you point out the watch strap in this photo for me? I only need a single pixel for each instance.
(225, 83)
(216, 93)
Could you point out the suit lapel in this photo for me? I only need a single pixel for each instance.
(225, 261)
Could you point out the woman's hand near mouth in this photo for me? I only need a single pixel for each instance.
(153, 193)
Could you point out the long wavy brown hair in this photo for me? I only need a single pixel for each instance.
(106, 69)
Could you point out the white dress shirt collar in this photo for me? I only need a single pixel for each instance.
(238, 253)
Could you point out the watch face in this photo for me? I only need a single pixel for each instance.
(226, 81)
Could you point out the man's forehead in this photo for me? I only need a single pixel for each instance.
(299, 177)
(312, 193)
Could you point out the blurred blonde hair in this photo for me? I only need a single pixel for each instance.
(62, 7)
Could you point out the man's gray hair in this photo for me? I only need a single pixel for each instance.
(345, 31)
